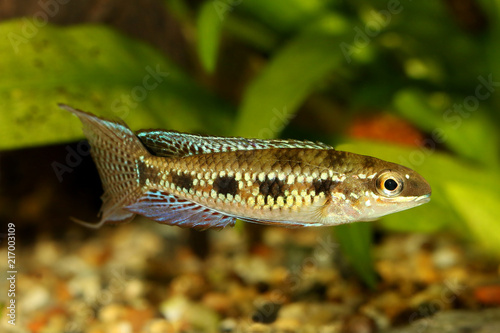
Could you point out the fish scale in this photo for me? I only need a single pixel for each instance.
(207, 182)
(248, 177)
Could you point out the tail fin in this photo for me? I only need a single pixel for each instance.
(116, 151)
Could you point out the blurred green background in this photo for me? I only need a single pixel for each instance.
(411, 82)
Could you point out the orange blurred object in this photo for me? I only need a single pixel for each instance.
(488, 295)
(386, 127)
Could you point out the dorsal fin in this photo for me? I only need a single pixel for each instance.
(171, 143)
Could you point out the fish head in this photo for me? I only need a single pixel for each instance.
(392, 189)
(367, 195)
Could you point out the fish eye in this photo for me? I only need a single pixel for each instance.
(389, 183)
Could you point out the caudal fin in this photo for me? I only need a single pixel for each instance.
(116, 151)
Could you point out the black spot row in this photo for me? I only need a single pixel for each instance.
(183, 181)
(226, 185)
(323, 185)
(143, 174)
(272, 187)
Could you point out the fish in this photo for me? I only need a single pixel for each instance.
(207, 182)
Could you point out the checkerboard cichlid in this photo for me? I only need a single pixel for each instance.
(208, 182)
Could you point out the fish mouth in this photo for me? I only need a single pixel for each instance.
(420, 200)
(423, 199)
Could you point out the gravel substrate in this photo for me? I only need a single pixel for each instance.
(145, 277)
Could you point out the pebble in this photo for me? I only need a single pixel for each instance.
(47, 252)
(252, 270)
(112, 313)
(202, 318)
(158, 326)
(120, 327)
(138, 317)
(135, 289)
(191, 285)
(435, 296)
(219, 302)
(86, 285)
(34, 298)
(70, 265)
(315, 313)
(228, 325)
(188, 262)
(266, 313)
(385, 307)
(288, 325)
(180, 309)
(358, 324)
(256, 328)
(94, 253)
(485, 321)
(175, 307)
(445, 257)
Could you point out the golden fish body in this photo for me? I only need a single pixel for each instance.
(207, 182)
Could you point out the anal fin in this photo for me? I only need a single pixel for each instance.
(169, 209)
(118, 216)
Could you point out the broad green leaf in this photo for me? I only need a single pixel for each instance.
(251, 32)
(464, 129)
(282, 15)
(95, 69)
(479, 208)
(209, 26)
(275, 95)
(355, 241)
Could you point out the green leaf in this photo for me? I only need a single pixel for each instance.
(463, 129)
(479, 208)
(251, 32)
(355, 241)
(276, 94)
(95, 69)
(283, 15)
(209, 26)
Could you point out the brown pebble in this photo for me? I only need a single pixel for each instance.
(266, 312)
(218, 301)
(191, 285)
(94, 253)
(288, 325)
(257, 328)
(139, 317)
(112, 313)
(62, 292)
(159, 326)
(358, 324)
